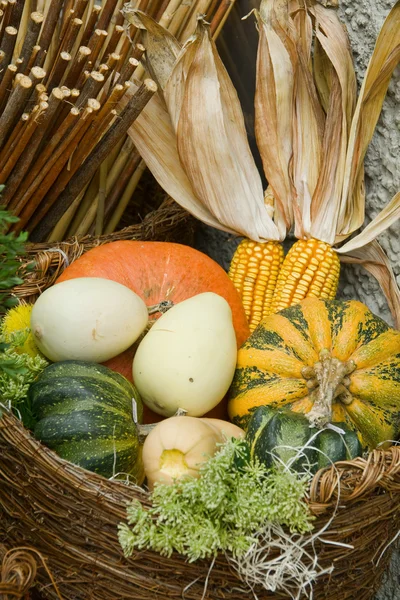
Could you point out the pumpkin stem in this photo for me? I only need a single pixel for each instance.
(161, 307)
(330, 373)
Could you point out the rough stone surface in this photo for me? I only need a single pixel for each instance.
(382, 165)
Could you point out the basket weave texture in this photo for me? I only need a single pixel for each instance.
(58, 522)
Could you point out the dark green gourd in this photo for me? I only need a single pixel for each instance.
(279, 433)
(85, 413)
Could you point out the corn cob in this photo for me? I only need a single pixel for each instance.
(311, 268)
(254, 271)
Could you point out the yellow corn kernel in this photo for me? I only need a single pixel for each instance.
(311, 268)
(254, 271)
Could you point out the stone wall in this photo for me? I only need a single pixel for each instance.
(382, 166)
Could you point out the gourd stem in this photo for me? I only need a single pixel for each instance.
(161, 307)
(144, 430)
(329, 374)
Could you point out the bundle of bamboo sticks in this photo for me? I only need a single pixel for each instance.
(68, 166)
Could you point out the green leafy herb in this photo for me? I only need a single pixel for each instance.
(11, 247)
(222, 510)
(17, 371)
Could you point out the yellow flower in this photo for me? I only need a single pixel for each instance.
(18, 321)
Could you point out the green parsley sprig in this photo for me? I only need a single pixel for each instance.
(220, 511)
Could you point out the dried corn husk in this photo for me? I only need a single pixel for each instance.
(210, 137)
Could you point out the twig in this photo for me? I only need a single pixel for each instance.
(6, 84)
(21, 143)
(220, 17)
(16, 14)
(8, 8)
(117, 190)
(95, 44)
(25, 160)
(48, 29)
(15, 106)
(31, 37)
(8, 43)
(128, 69)
(71, 34)
(47, 178)
(126, 197)
(91, 88)
(87, 170)
(101, 198)
(67, 14)
(80, 7)
(32, 58)
(13, 137)
(106, 14)
(90, 25)
(77, 66)
(59, 69)
(113, 41)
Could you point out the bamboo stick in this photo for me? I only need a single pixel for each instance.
(101, 198)
(2, 55)
(24, 163)
(31, 37)
(106, 14)
(48, 29)
(117, 190)
(220, 17)
(77, 66)
(91, 88)
(15, 19)
(80, 8)
(22, 141)
(8, 43)
(45, 157)
(47, 178)
(113, 41)
(87, 199)
(71, 34)
(126, 197)
(6, 84)
(8, 8)
(87, 218)
(13, 138)
(199, 8)
(90, 25)
(95, 44)
(60, 230)
(67, 14)
(87, 170)
(15, 106)
(32, 59)
(58, 176)
(59, 69)
(179, 17)
(128, 69)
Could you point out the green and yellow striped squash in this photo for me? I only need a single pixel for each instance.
(290, 357)
(84, 412)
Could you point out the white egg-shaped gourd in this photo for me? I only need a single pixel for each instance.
(88, 318)
(187, 360)
(177, 447)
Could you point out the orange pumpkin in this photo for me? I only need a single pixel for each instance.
(159, 271)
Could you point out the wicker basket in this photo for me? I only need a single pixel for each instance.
(58, 523)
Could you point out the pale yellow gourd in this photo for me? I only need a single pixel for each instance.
(177, 447)
(228, 430)
(188, 358)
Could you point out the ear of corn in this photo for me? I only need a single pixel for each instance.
(311, 268)
(254, 271)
